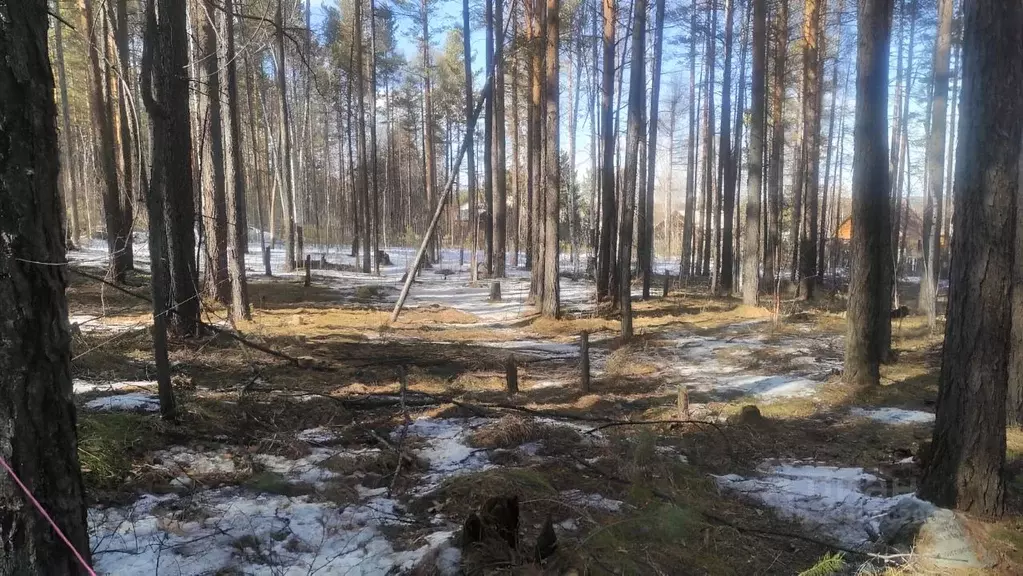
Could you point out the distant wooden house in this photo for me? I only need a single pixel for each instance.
(913, 254)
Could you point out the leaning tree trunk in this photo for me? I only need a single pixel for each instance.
(868, 330)
(750, 254)
(936, 165)
(966, 470)
(37, 415)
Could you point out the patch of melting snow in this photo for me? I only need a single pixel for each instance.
(318, 436)
(131, 402)
(834, 501)
(894, 416)
(596, 501)
(447, 449)
(184, 463)
(216, 531)
(86, 386)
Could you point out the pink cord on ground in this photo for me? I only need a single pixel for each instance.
(42, 511)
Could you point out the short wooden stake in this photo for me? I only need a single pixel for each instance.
(266, 261)
(512, 375)
(584, 361)
(683, 403)
(308, 273)
(667, 284)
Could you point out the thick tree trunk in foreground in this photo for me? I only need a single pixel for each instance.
(966, 470)
(37, 415)
(868, 318)
(936, 165)
(751, 240)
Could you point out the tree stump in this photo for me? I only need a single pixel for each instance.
(308, 273)
(584, 362)
(495, 291)
(266, 261)
(511, 370)
(667, 284)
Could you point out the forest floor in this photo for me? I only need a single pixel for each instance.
(366, 453)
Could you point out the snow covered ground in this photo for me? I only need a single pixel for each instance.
(843, 504)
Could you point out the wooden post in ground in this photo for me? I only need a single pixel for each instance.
(512, 374)
(308, 274)
(266, 261)
(683, 403)
(667, 284)
(584, 361)
(495, 291)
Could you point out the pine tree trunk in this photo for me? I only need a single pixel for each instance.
(688, 224)
(724, 266)
(123, 133)
(287, 158)
(647, 255)
(500, 169)
(234, 170)
(574, 91)
(710, 214)
(750, 255)
(37, 414)
(105, 147)
(776, 170)
(516, 149)
(608, 207)
(550, 297)
(429, 156)
(374, 168)
(936, 166)
(636, 113)
(69, 191)
(362, 170)
(213, 145)
(966, 470)
(868, 317)
(811, 146)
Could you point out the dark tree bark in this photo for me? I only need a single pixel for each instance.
(868, 318)
(936, 165)
(750, 255)
(429, 155)
(516, 150)
(37, 415)
(811, 145)
(775, 171)
(723, 270)
(608, 206)
(966, 469)
(470, 160)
